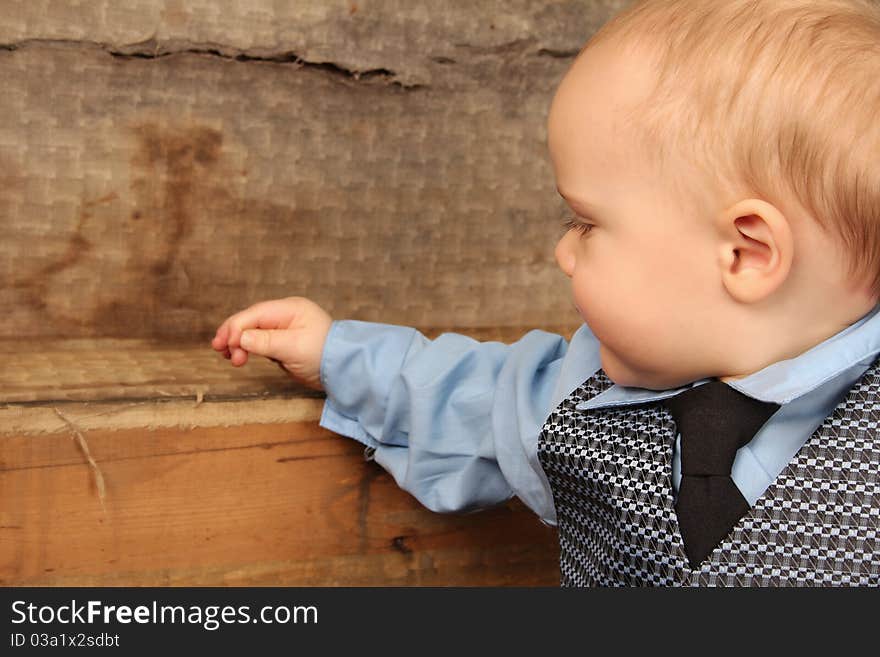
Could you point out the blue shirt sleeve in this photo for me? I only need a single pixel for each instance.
(455, 421)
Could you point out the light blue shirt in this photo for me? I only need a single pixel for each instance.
(456, 421)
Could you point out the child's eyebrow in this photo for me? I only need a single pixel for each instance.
(561, 193)
(575, 201)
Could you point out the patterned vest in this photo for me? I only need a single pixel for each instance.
(610, 471)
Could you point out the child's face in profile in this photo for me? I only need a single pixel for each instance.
(642, 262)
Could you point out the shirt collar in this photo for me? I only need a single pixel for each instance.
(782, 381)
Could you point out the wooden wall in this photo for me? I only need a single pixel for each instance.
(166, 163)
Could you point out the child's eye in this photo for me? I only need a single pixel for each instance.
(572, 223)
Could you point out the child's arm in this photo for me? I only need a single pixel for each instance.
(455, 421)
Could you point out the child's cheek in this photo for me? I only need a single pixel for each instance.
(594, 296)
(595, 307)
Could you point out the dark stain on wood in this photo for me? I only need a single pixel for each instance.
(171, 167)
(177, 159)
(33, 288)
(368, 474)
(288, 459)
(399, 544)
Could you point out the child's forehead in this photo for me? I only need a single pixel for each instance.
(596, 137)
(598, 94)
(607, 76)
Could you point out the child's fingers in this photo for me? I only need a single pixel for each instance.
(239, 357)
(266, 315)
(222, 339)
(218, 343)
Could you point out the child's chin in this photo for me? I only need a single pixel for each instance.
(629, 377)
(627, 380)
(615, 370)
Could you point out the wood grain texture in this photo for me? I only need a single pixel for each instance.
(164, 163)
(241, 489)
(47, 370)
(151, 198)
(281, 504)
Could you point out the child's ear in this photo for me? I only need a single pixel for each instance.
(756, 250)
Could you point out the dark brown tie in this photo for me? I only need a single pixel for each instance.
(714, 421)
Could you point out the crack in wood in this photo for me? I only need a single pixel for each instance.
(152, 49)
(84, 448)
(190, 452)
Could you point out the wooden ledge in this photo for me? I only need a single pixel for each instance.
(111, 369)
(130, 462)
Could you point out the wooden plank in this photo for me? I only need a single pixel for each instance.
(47, 370)
(140, 198)
(244, 491)
(286, 503)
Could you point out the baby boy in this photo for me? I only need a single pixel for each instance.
(714, 419)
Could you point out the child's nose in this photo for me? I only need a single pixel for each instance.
(565, 256)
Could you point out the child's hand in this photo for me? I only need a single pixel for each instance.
(289, 331)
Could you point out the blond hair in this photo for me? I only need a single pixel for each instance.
(779, 96)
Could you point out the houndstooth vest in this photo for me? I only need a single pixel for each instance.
(610, 473)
